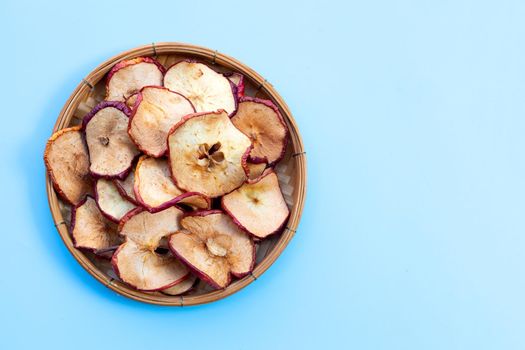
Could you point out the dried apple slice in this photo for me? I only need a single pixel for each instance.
(258, 207)
(125, 187)
(90, 229)
(148, 229)
(129, 76)
(238, 80)
(208, 90)
(155, 111)
(213, 247)
(182, 287)
(261, 121)
(146, 270)
(206, 152)
(136, 262)
(67, 161)
(111, 151)
(112, 204)
(155, 189)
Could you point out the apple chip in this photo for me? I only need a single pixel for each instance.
(90, 229)
(155, 111)
(146, 270)
(206, 152)
(261, 121)
(238, 80)
(155, 189)
(258, 207)
(112, 204)
(136, 261)
(129, 76)
(67, 161)
(111, 151)
(182, 287)
(125, 187)
(208, 90)
(148, 229)
(214, 247)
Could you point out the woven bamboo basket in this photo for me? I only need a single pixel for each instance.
(291, 171)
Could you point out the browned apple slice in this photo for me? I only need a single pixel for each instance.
(146, 270)
(155, 189)
(182, 287)
(254, 171)
(129, 76)
(208, 90)
(112, 204)
(67, 161)
(259, 207)
(147, 228)
(206, 152)
(214, 247)
(125, 187)
(238, 80)
(155, 111)
(90, 229)
(111, 151)
(136, 261)
(261, 121)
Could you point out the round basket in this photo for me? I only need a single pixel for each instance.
(291, 171)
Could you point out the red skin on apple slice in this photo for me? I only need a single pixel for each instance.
(213, 247)
(111, 151)
(207, 90)
(261, 121)
(90, 229)
(238, 80)
(110, 201)
(183, 287)
(155, 190)
(125, 187)
(136, 261)
(129, 76)
(259, 207)
(67, 162)
(155, 111)
(206, 152)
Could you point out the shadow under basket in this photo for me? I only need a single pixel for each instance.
(291, 171)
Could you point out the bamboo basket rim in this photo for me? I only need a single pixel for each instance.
(299, 157)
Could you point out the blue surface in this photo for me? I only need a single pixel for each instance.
(412, 113)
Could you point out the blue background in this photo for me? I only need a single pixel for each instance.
(412, 113)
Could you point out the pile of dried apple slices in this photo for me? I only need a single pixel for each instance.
(172, 175)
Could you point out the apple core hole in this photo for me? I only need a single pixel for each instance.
(211, 153)
(214, 148)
